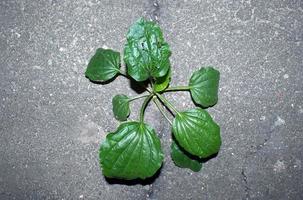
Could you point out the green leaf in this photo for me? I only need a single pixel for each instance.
(146, 54)
(121, 107)
(197, 133)
(162, 82)
(132, 151)
(181, 159)
(104, 65)
(204, 85)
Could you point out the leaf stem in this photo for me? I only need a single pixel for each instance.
(148, 90)
(177, 88)
(167, 103)
(145, 102)
(158, 104)
(138, 97)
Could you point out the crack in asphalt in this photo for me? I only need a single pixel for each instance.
(150, 192)
(246, 187)
(155, 10)
(258, 148)
(268, 134)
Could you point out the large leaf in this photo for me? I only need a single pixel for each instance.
(182, 159)
(121, 107)
(204, 85)
(132, 151)
(197, 133)
(146, 54)
(104, 65)
(161, 83)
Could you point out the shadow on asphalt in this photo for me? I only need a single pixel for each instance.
(146, 181)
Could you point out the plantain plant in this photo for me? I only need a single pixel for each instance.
(134, 149)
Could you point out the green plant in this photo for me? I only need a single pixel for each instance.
(134, 149)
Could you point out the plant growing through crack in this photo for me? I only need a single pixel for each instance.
(134, 149)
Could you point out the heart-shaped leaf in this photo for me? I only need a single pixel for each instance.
(197, 133)
(132, 151)
(161, 83)
(204, 85)
(182, 159)
(146, 54)
(121, 107)
(104, 65)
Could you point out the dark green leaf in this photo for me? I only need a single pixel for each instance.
(121, 107)
(197, 133)
(104, 65)
(132, 151)
(146, 54)
(183, 160)
(161, 83)
(204, 85)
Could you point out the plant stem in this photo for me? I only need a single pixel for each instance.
(145, 102)
(177, 88)
(167, 103)
(151, 82)
(158, 104)
(138, 97)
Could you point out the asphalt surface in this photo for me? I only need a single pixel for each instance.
(52, 119)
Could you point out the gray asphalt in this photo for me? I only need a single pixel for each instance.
(53, 119)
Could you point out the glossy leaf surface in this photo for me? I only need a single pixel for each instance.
(146, 54)
(121, 107)
(197, 133)
(204, 85)
(104, 65)
(132, 151)
(162, 83)
(181, 159)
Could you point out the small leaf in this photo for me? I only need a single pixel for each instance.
(161, 83)
(104, 65)
(132, 151)
(204, 85)
(146, 54)
(121, 107)
(197, 133)
(181, 159)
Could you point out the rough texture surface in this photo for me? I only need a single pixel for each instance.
(52, 119)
